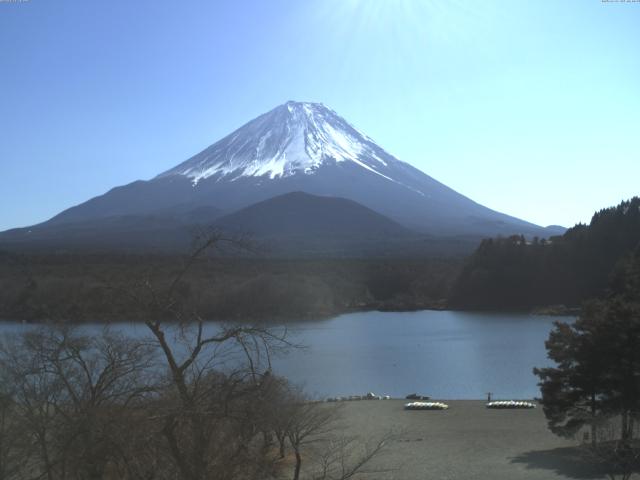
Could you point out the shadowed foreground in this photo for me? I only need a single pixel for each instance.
(467, 441)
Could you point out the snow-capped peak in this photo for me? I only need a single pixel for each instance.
(294, 138)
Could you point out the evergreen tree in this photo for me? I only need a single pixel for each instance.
(597, 373)
(573, 391)
(508, 273)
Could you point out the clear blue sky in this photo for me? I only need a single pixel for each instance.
(529, 107)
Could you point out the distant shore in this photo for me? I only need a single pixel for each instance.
(552, 311)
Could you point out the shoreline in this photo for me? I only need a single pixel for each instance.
(466, 441)
(550, 311)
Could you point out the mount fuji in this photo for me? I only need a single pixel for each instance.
(296, 147)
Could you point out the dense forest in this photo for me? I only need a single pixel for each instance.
(504, 273)
(515, 273)
(94, 287)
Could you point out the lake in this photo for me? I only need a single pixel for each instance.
(444, 354)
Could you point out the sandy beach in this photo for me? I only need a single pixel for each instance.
(467, 441)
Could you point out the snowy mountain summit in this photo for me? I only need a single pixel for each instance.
(294, 138)
(296, 147)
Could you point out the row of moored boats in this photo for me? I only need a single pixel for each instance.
(350, 398)
(502, 404)
(422, 405)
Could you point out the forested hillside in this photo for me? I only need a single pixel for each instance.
(95, 287)
(512, 273)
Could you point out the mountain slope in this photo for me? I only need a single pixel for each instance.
(299, 224)
(295, 224)
(303, 215)
(296, 147)
(158, 232)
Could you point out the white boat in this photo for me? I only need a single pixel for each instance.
(510, 404)
(426, 406)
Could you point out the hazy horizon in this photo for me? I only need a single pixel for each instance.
(528, 109)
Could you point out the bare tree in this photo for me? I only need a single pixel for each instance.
(274, 411)
(347, 457)
(11, 436)
(34, 394)
(73, 395)
(308, 423)
(192, 400)
(313, 429)
(212, 371)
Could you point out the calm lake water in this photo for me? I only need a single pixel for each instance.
(444, 354)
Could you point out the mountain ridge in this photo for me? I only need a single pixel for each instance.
(294, 224)
(306, 135)
(301, 147)
(301, 213)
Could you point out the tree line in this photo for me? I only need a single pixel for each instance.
(517, 273)
(244, 287)
(594, 387)
(186, 400)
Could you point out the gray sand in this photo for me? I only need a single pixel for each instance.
(468, 441)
